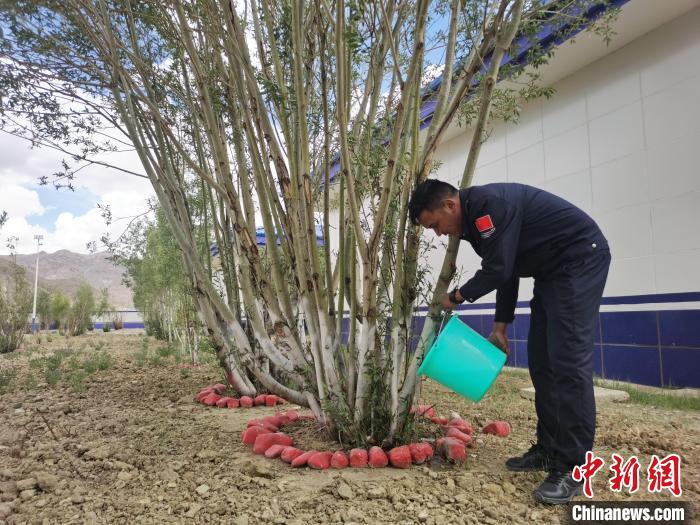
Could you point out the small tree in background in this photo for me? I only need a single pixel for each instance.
(81, 311)
(60, 309)
(15, 307)
(43, 308)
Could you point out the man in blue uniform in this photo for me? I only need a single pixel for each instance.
(521, 231)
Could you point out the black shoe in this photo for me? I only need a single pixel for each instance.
(558, 488)
(533, 459)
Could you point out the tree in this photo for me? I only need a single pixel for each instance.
(155, 273)
(60, 309)
(81, 310)
(15, 307)
(43, 308)
(258, 109)
(104, 306)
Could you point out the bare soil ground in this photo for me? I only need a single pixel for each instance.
(133, 447)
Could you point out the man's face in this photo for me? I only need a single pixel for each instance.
(445, 220)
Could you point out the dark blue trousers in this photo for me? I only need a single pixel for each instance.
(564, 309)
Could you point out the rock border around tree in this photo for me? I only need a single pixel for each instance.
(265, 438)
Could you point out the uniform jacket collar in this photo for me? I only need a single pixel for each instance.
(464, 202)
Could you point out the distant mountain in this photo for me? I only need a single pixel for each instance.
(65, 270)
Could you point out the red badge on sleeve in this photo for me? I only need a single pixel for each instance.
(485, 226)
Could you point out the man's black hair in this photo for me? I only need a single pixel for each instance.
(429, 195)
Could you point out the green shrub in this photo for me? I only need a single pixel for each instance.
(52, 376)
(166, 351)
(7, 378)
(77, 381)
(103, 361)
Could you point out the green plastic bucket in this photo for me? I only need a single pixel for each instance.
(463, 361)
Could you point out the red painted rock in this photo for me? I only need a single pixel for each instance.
(270, 400)
(282, 419)
(246, 401)
(400, 457)
(290, 453)
(423, 410)
(211, 399)
(339, 459)
(274, 420)
(377, 458)
(439, 420)
(250, 434)
(420, 452)
(204, 393)
(358, 458)
(219, 388)
(259, 400)
(320, 460)
(265, 441)
(222, 403)
(302, 459)
(233, 403)
(275, 450)
(497, 428)
(292, 415)
(455, 433)
(461, 425)
(453, 449)
(261, 423)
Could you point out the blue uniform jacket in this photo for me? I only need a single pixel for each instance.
(521, 231)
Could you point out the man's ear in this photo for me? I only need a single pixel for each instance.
(450, 204)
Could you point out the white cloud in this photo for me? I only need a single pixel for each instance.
(19, 202)
(19, 173)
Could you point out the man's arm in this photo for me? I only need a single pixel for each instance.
(498, 247)
(506, 299)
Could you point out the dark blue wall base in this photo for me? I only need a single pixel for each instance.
(658, 348)
(98, 326)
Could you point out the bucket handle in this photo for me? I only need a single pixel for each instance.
(442, 323)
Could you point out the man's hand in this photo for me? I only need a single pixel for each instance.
(499, 339)
(449, 305)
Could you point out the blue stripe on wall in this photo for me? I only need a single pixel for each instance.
(658, 348)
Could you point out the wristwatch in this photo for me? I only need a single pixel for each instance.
(452, 296)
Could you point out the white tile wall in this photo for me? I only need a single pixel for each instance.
(621, 139)
(676, 223)
(620, 182)
(494, 172)
(566, 153)
(493, 149)
(613, 92)
(671, 55)
(575, 188)
(628, 231)
(678, 272)
(631, 277)
(527, 166)
(673, 112)
(565, 110)
(616, 134)
(674, 167)
(527, 131)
